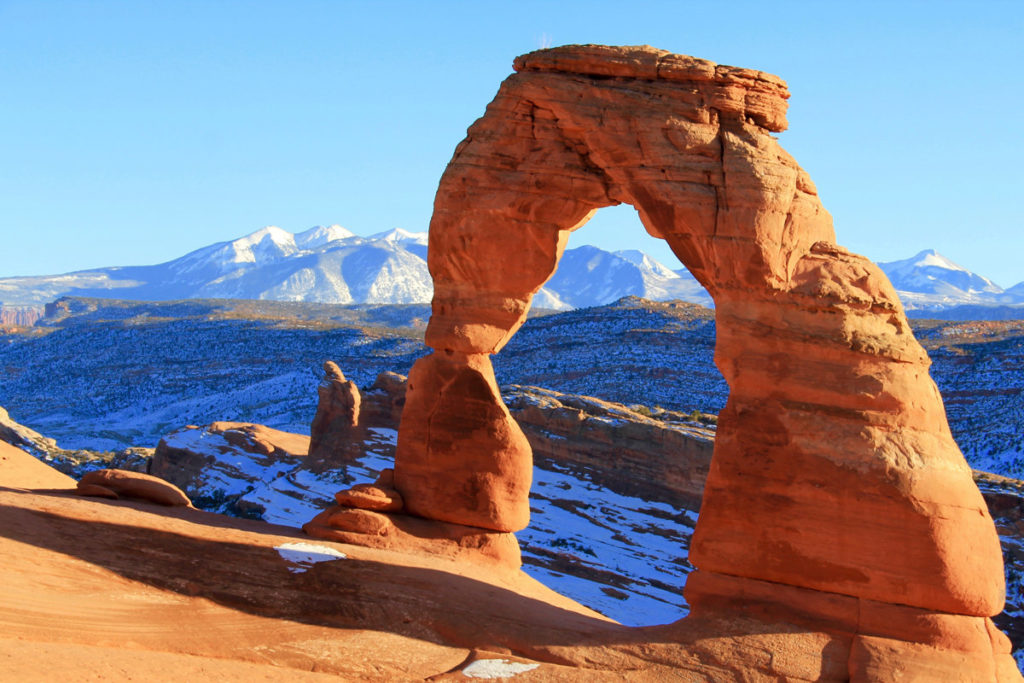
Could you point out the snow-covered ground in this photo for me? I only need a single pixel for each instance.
(622, 556)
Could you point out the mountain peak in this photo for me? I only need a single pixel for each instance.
(932, 274)
(400, 235)
(320, 235)
(272, 232)
(932, 258)
(266, 244)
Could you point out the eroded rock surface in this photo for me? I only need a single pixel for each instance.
(335, 427)
(23, 437)
(218, 463)
(118, 484)
(834, 470)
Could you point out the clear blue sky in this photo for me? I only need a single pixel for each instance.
(134, 132)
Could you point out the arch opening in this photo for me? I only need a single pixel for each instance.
(613, 506)
(612, 256)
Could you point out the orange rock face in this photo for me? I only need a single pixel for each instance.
(21, 470)
(123, 483)
(834, 469)
(464, 460)
(335, 425)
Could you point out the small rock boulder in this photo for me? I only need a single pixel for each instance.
(370, 497)
(125, 484)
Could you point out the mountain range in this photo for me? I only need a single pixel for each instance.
(329, 264)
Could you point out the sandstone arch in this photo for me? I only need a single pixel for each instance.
(834, 467)
(839, 521)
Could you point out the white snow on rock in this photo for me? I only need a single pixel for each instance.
(321, 235)
(304, 555)
(496, 668)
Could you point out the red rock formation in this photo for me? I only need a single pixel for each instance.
(334, 433)
(834, 469)
(383, 402)
(466, 460)
(126, 484)
(658, 459)
(21, 470)
(261, 439)
(655, 459)
(23, 316)
(359, 517)
(377, 497)
(187, 456)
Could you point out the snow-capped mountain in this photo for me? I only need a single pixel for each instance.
(588, 276)
(321, 235)
(930, 272)
(929, 284)
(329, 264)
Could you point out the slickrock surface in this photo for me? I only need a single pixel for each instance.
(119, 590)
(20, 470)
(834, 471)
(113, 590)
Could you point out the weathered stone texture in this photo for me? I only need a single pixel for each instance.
(834, 471)
(334, 435)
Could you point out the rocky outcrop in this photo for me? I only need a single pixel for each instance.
(334, 433)
(359, 517)
(23, 437)
(126, 484)
(659, 457)
(20, 316)
(663, 457)
(220, 462)
(383, 401)
(834, 470)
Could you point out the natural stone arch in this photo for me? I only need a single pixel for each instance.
(834, 467)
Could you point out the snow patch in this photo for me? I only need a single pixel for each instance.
(496, 668)
(305, 555)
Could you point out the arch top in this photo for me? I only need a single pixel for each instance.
(759, 95)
